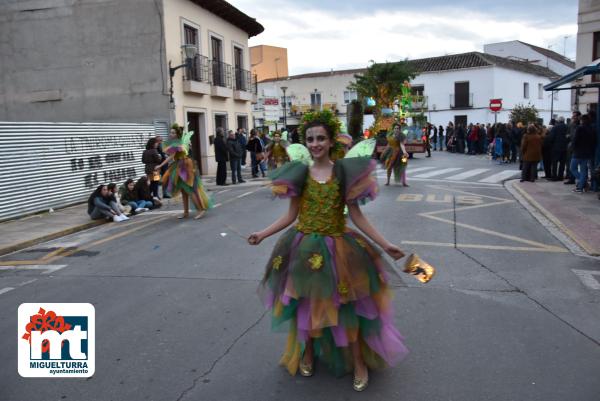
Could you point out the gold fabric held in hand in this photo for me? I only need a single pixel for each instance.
(422, 270)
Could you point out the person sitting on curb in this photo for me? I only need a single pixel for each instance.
(113, 195)
(128, 196)
(143, 192)
(100, 206)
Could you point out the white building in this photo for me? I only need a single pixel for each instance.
(588, 50)
(457, 88)
(521, 51)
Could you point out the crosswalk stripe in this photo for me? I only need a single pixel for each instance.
(468, 174)
(437, 172)
(414, 170)
(503, 175)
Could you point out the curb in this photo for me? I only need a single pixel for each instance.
(48, 237)
(550, 222)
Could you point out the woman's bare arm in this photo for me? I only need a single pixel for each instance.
(365, 226)
(279, 224)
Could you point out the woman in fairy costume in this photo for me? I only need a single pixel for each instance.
(324, 279)
(395, 157)
(182, 174)
(276, 154)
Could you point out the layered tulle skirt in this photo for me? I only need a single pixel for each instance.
(182, 175)
(333, 290)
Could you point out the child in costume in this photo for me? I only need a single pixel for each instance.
(182, 174)
(323, 279)
(395, 157)
(276, 153)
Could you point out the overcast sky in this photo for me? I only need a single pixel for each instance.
(321, 35)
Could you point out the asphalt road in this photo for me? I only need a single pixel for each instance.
(178, 318)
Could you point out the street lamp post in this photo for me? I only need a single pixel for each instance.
(190, 52)
(284, 88)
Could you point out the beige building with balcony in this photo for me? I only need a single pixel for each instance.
(218, 89)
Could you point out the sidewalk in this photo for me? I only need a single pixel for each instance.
(577, 215)
(31, 230)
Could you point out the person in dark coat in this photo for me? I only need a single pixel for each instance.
(584, 148)
(143, 192)
(575, 120)
(547, 143)
(221, 156)
(441, 137)
(531, 147)
(558, 152)
(240, 136)
(256, 149)
(235, 157)
(460, 138)
(151, 158)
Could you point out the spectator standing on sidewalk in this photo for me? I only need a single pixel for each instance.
(240, 136)
(99, 206)
(151, 158)
(235, 157)
(257, 154)
(559, 150)
(128, 196)
(531, 147)
(440, 136)
(575, 121)
(460, 136)
(163, 169)
(449, 133)
(221, 156)
(584, 146)
(547, 145)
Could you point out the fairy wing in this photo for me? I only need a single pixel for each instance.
(299, 152)
(362, 149)
(173, 146)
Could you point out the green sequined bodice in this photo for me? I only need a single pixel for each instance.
(321, 208)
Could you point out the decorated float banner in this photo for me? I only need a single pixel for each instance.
(50, 165)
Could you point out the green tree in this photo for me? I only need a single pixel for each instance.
(382, 82)
(524, 113)
(355, 122)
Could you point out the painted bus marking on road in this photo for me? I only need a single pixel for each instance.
(446, 198)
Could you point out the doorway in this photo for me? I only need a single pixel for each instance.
(462, 120)
(242, 122)
(196, 123)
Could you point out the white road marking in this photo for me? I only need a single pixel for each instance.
(245, 194)
(438, 172)
(501, 176)
(587, 278)
(5, 290)
(414, 170)
(217, 205)
(223, 191)
(48, 268)
(27, 282)
(467, 174)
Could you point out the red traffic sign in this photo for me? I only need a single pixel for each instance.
(495, 104)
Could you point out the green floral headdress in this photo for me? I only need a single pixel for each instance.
(325, 117)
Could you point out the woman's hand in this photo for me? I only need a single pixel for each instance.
(255, 238)
(392, 250)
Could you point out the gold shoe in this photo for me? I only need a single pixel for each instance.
(307, 369)
(360, 384)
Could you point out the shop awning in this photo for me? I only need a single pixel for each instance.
(593, 68)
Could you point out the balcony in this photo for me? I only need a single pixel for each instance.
(220, 79)
(197, 78)
(244, 85)
(462, 101)
(419, 103)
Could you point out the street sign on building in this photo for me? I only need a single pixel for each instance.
(495, 105)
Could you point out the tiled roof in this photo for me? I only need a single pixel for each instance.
(446, 63)
(551, 54)
(232, 15)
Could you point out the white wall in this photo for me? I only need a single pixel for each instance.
(588, 23)
(485, 83)
(517, 50)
